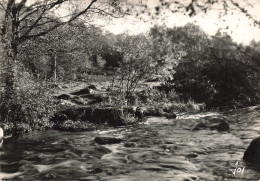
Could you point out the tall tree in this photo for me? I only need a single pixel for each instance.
(24, 20)
(69, 47)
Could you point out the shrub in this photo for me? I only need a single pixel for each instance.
(191, 106)
(137, 65)
(177, 106)
(29, 107)
(70, 125)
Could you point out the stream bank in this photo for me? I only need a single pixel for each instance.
(156, 149)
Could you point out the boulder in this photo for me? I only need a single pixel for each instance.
(82, 91)
(95, 98)
(129, 144)
(79, 100)
(222, 126)
(214, 120)
(92, 87)
(153, 111)
(107, 140)
(156, 112)
(66, 102)
(96, 171)
(59, 117)
(129, 110)
(65, 96)
(111, 115)
(170, 115)
(139, 112)
(192, 155)
(252, 154)
(100, 96)
(200, 126)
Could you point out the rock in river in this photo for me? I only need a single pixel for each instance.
(252, 153)
(92, 87)
(170, 115)
(129, 144)
(222, 126)
(139, 112)
(65, 96)
(107, 140)
(200, 126)
(82, 91)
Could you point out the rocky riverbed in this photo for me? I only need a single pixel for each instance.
(157, 149)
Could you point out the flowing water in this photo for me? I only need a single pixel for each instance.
(159, 149)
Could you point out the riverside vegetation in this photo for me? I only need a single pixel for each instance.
(41, 51)
(129, 78)
(59, 73)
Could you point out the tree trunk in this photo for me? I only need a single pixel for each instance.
(54, 67)
(10, 44)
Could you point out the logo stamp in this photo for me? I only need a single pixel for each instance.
(237, 169)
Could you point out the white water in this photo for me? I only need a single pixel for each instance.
(160, 149)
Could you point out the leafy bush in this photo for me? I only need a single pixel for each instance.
(70, 125)
(29, 107)
(190, 106)
(128, 118)
(137, 65)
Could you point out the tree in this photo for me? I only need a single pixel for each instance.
(16, 30)
(187, 79)
(219, 73)
(24, 20)
(166, 50)
(137, 64)
(70, 47)
(233, 72)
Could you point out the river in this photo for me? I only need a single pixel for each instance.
(158, 149)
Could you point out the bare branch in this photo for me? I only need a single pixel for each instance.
(44, 10)
(9, 7)
(243, 10)
(35, 23)
(3, 7)
(82, 12)
(21, 5)
(104, 12)
(37, 7)
(40, 24)
(27, 36)
(29, 14)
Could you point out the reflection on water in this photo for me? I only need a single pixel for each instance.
(161, 149)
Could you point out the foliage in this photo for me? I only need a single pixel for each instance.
(76, 126)
(212, 70)
(189, 106)
(128, 118)
(222, 75)
(68, 52)
(166, 50)
(137, 65)
(30, 107)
